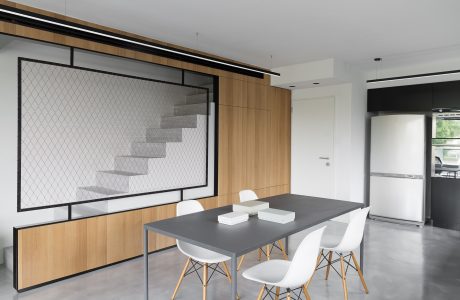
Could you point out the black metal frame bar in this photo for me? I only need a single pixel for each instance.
(273, 245)
(269, 293)
(194, 269)
(47, 23)
(414, 76)
(332, 262)
(72, 66)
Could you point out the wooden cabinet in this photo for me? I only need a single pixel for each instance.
(401, 98)
(280, 136)
(232, 92)
(232, 149)
(257, 149)
(257, 96)
(446, 95)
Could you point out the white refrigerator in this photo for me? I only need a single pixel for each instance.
(397, 167)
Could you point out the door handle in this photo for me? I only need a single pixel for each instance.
(324, 157)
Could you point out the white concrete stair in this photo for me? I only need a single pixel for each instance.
(179, 121)
(115, 180)
(198, 98)
(191, 109)
(147, 149)
(164, 135)
(132, 164)
(95, 192)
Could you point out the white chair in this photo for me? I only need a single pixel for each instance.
(344, 247)
(199, 257)
(290, 275)
(249, 195)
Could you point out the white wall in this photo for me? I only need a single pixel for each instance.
(342, 131)
(349, 136)
(10, 50)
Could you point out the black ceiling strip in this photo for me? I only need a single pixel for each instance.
(414, 76)
(181, 55)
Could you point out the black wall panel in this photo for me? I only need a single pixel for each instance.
(445, 202)
(400, 98)
(446, 95)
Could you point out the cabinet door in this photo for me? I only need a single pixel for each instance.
(257, 149)
(446, 94)
(400, 98)
(233, 92)
(280, 136)
(232, 149)
(257, 96)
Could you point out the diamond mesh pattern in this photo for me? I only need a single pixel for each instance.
(76, 123)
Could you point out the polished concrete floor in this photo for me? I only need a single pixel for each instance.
(401, 262)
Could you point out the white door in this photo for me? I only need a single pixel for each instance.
(312, 164)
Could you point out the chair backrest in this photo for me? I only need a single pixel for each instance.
(185, 208)
(354, 232)
(188, 207)
(304, 262)
(248, 195)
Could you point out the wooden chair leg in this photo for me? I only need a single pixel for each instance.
(277, 293)
(355, 261)
(261, 292)
(268, 252)
(344, 279)
(260, 254)
(305, 292)
(180, 278)
(318, 260)
(241, 262)
(229, 277)
(205, 280)
(280, 243)
(329, 262)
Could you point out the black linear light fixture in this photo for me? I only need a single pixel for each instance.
(22, 17)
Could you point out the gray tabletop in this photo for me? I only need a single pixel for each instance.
(202, 229)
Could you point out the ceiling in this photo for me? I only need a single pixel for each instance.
(291, 31)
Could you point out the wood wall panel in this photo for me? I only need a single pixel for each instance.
(233, 92)
(257, 96)
(280, 136)
(257, 149)
(124, 235)
(232, 149)
(165, 212)
(96, 242)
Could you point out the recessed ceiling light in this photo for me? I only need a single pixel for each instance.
(315, 83)
(378, 59)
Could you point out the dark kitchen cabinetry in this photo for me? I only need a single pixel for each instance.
(445, 202)
(400, 98)
(446, 95)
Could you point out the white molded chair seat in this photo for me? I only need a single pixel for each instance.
(201, 254)
(290, 275)
(269, 272)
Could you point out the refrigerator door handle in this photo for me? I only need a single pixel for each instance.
(408, 176)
